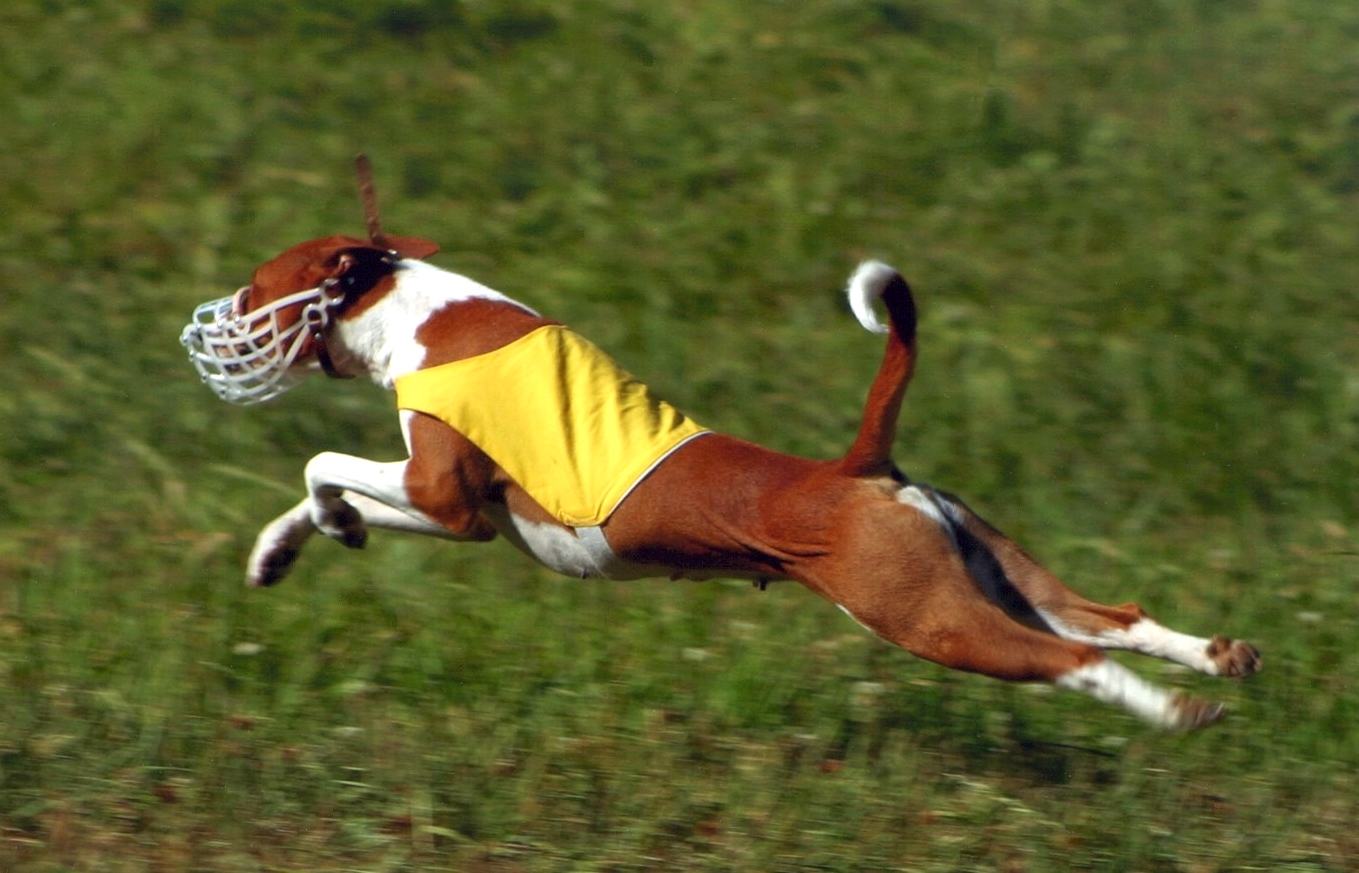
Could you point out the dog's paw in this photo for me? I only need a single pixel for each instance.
(269, 568)
(1191, 713)
(277, 547)
(1234, 658)
(341, 522)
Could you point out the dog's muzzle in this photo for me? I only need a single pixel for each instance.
(249, 357)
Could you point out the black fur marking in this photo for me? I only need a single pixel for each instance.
(986, 570)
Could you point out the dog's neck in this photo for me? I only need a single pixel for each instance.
(391, 337)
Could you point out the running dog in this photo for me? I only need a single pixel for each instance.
(519, 427)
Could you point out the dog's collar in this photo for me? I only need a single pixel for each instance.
(318, 326)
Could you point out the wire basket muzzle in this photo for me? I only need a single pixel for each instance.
(248, 358)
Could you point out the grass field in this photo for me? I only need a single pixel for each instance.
(1131, 228)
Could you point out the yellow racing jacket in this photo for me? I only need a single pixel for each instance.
(567, 423)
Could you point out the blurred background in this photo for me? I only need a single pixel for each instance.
(1131, 231)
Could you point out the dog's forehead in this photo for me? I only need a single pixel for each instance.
(303, 265)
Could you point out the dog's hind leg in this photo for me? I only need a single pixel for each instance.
(969, 633)
(1073, 617)
(903, 576)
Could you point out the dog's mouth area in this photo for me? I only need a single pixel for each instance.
(247, 357)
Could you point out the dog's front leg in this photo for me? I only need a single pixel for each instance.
(346, 496)
(324, 509)
(330, 474)
(349, 494)
(278, 544)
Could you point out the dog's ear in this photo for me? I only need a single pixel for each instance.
(305, 265)
(309, 264)
(405, 246)
(410, 246)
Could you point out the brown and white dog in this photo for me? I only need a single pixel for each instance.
(910, 563)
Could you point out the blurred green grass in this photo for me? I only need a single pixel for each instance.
(1131, 229)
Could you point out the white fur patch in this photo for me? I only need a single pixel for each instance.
(866, 287)
(383, 336)
(1145, 637)
(1153, 639)
(555, 547)
(918, 498)
(856, 620)
(1115, 684)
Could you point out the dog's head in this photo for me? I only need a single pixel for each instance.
(251, 346)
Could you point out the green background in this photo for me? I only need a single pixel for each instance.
(1131, 229)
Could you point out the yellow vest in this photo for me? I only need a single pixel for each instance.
(557, 414)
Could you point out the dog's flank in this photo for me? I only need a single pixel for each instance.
(914, 565)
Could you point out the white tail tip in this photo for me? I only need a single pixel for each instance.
(866, 287)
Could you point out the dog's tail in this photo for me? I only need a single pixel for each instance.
(871, 453)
